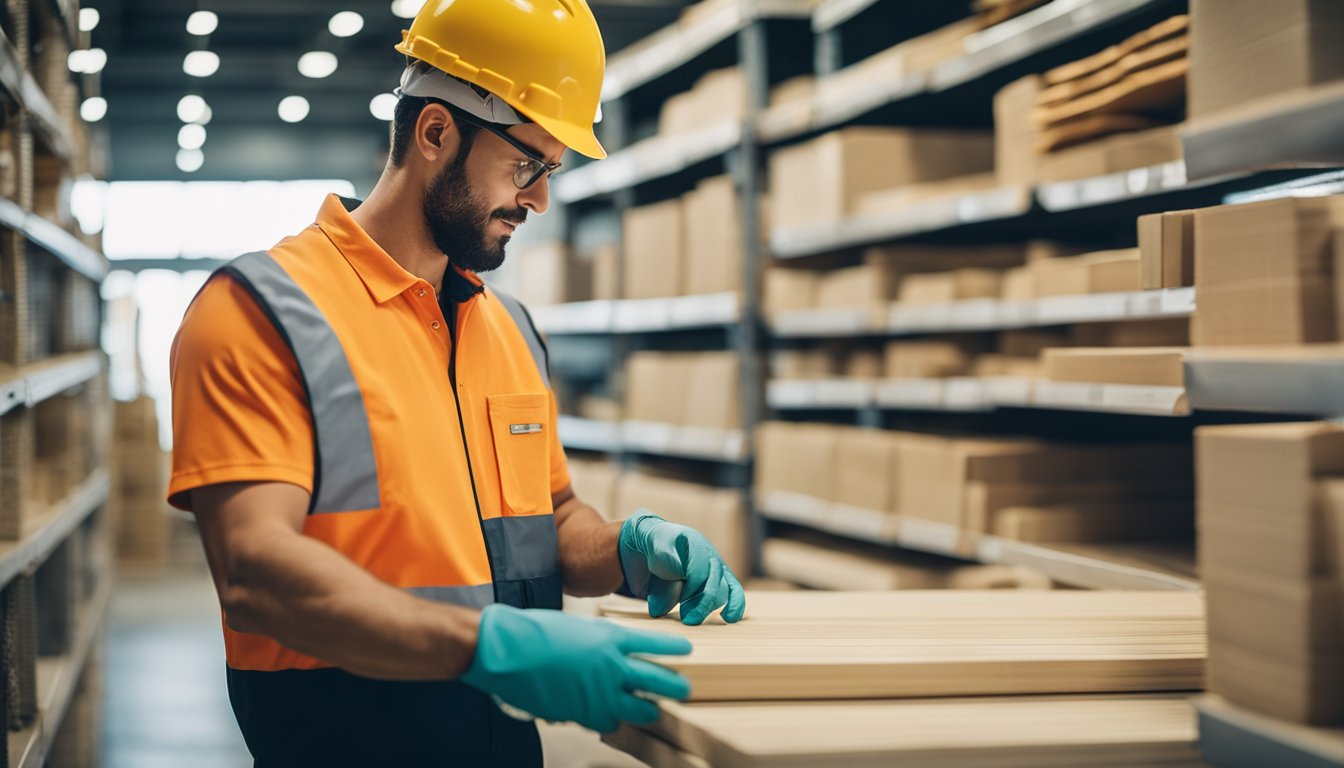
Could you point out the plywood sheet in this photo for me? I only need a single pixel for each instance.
(1005, 732)
(827, 645)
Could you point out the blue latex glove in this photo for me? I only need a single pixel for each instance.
(670, 564)
(562, 667)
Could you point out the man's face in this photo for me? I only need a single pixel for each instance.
(472, 207)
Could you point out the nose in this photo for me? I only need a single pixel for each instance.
(536, 198)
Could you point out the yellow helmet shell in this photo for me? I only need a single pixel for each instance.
(544, 58)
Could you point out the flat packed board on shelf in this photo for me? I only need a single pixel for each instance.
(815, 645)
(1006, 732)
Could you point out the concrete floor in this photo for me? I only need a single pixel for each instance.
(166, 705)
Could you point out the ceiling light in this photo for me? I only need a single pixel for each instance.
(345, 24)
(406, 9)
(193, 109)
(88, 19)
(202, 23)
(293, 109)
(383, 106)
(93, 109)
(87, 62)
(190, 160)
(191, 136)
(317, 64)
(201, 63)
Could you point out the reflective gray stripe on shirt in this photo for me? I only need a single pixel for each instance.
(529, 332)
(522, 547)
(477, 596)
(346, 479)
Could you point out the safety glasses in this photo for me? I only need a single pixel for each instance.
(529, 171)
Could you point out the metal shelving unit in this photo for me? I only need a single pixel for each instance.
(654, 439)
(1232, 737)
(639, 315)
(1309, 381)
(1123, 566)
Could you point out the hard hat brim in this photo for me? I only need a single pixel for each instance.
(577, 138)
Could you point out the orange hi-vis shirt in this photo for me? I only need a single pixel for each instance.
(445, 513)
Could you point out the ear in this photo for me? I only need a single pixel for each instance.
(435, 137)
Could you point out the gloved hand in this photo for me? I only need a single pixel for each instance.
(562, 667)
(670, 564)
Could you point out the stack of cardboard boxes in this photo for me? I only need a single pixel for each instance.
(718, 513)
(685, 246)
(717, 97)
(1023, 489)
(139, 485)
(689, 389)
(1271, 539)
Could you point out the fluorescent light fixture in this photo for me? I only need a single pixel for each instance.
(87, 61)
(201, 63)
(406, 9)
(293, 109)
(190, 160)
(202, 23)
(88, 19)
(93, 109)
(345, 24)
(191, 136)
(383, 106)
(317, 64)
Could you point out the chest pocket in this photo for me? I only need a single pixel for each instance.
(521, 428)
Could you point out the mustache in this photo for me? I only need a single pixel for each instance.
(514, 216)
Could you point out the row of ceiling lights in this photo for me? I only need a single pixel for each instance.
(195, 113)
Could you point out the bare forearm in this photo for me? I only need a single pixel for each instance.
(589, 559)
(311, 598)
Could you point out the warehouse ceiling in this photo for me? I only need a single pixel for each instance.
(259, 43)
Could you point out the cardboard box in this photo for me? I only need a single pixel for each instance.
(821, 181)
(789, 289)
(680, 115)
(1006, 365)
(607, 272)
(1307, 689)
(654, 251)
(600, 408)
(722, 95)
(717, 513)
(549, 273)
(1101, 272)
(864, 364)
(795, 89)
(1018, 284)
(1287, 310)
(943, 287)
(1162, 332)
(862, 286)
(713, 395)
(1287, 619)
(928, 359)
(1265, 240)
(1167, 249)
(1113, 154)
(1030, 342)
(812, 363)
(713, 237)
(864, 464)
(931, 477)
(797, 458)
(1015, 132)
(1269, 467)
(656, 386)
(1300, 546)
(1143, 366)
(595, 483)
(1241, 50)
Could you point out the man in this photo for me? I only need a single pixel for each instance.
(366, 436)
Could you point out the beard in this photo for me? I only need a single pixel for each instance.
(459, 220)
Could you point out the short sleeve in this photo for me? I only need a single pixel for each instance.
(559, 464)
(239, 409)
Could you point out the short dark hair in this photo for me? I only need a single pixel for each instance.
(403, 125)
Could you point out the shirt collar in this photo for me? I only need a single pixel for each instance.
(382, 275)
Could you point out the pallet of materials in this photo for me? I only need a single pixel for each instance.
(839, 645)
(1000, 732)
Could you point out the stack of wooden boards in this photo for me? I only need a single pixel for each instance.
(841, 679)
(1134, 85)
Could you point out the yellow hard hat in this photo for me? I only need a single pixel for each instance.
(544, 58)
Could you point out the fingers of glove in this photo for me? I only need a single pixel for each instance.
(712, 595)
(651, 678)
(640, 641)
(633, 709)
(736, 607)
(663, 596)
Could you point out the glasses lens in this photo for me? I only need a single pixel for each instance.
(527, 173)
